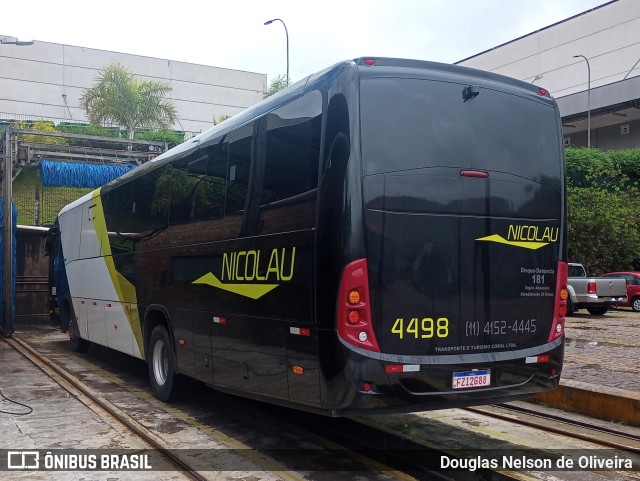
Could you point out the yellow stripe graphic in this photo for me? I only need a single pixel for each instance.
(524, 244)
(253, 291)
(125, 290)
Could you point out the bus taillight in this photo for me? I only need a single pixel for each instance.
(354, 310)
(562, 295)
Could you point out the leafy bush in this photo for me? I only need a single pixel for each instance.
(626, 162)
(171, 137)
(42, 126)
(604, 212)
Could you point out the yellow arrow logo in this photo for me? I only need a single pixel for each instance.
(252, 291)
(524, 244)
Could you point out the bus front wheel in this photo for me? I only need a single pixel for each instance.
(166, 384)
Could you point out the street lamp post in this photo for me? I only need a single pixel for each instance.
(7, 315)
(286, 32)
(588, 98)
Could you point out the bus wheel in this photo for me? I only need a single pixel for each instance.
(69, 319)
(166, 385)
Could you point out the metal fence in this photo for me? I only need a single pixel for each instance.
(38, 205)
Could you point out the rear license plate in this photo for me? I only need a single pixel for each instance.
(470, 379)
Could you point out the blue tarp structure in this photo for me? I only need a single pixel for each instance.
(77, 174)
(8, 326)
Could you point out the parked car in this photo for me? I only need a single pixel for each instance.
(595, 294)
(633, 288)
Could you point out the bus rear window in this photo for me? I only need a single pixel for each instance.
(411, 123)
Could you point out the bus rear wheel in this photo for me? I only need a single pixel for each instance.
(166, 384)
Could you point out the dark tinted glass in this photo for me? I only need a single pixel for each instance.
(415, 123)
(198, 185)
(238, 169)
(150, 201)
(576, 271)
(117, 208)
(291, 165)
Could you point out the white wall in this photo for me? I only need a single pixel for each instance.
(35, 80)
(609, 36)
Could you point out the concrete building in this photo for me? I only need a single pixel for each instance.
(45, 81)
(605, 88)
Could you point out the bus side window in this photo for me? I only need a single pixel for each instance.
(209, 188)
(198, 185)
(150, 202)
(238, 170)
(289, 186)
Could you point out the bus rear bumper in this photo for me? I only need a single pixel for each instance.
(383, 387)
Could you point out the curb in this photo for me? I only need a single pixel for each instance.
(608, 403)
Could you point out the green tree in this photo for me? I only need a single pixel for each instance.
(604, 212)
(42, 126)
(119, 98)
(276, 85)
(220, 119)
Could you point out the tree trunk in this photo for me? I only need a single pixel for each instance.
(130, 132)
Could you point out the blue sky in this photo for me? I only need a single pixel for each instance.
(231, 34)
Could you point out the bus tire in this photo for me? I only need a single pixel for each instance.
(69, 319)
(598, 311)
(166, 384)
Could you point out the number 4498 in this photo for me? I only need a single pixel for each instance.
(424, 328)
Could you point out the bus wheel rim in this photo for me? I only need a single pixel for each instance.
(160, 363)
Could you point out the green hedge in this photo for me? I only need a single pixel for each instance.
(604, 208)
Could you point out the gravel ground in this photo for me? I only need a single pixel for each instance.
(604, 350)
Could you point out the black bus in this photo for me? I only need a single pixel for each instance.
(386, 235)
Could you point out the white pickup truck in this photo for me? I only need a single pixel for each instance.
(595, 294)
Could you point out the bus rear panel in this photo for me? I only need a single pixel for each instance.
(463, 212)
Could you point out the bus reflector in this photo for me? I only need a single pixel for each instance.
(354, 326)
(300, 331)
(560, 311)
(299, 370)
(537, 359)
(219, 320)
(390, 368)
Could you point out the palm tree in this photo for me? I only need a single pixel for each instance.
(119, 98)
